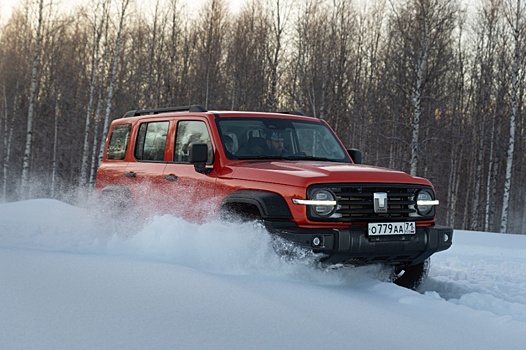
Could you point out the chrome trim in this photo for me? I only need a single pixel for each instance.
(424, 203)
(312, 202)
(380, 202)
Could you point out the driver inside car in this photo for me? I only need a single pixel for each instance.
(275, 144)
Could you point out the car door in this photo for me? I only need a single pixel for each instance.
(145, 174)
(191, 194)
(116, 157)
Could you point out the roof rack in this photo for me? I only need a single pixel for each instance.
(190, 108)
(292, 112)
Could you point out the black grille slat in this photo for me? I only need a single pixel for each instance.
(355, 202)
(358, 204)
(402, 202)
(356, 211)
(351, 202)
(369, 194)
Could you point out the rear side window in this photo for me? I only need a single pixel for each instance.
(191, 131)
(118, 142)
(151, 141)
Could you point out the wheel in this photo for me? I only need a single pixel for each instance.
(410, 276)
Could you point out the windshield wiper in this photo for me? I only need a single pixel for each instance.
(305, 157)
(262, 156)
(291, 157)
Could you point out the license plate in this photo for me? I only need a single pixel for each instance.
(392, 228)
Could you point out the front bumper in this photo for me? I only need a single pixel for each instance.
(353, 246)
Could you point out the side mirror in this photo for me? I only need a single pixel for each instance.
(198, 156)
(356, 155)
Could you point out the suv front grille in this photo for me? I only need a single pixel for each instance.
(356, 202)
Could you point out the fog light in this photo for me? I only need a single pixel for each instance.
(316, 241)
(446, 238)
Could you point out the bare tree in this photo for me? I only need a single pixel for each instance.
(280, 12)
(112, 77)
(246, 62)
(516, 22)
(211, 33)
(9, 124)
(483, 108)
(32, 99)
(424, 29)
(313, 56)
(100, 15)
(14, 43)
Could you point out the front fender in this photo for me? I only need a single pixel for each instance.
(271, 205)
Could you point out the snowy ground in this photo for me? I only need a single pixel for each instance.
(69, 282)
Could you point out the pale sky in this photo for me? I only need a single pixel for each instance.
(7, 5)
(5, 8)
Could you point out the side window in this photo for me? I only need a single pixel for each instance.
(118, 142)
(191, 131)
(151, 141)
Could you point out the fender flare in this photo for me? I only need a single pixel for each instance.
(271, 205)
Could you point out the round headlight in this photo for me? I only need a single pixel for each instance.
(323, 195)
(427, 196)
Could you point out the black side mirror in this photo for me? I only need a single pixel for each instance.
(198, 156)
(356, 155)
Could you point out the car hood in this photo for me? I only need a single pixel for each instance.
(305, 173)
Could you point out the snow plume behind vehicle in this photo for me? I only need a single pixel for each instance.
(217, 246)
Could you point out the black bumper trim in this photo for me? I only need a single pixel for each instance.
(352, 246)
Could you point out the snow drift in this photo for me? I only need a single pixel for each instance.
(70, 279)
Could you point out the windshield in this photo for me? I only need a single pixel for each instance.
(264, 138)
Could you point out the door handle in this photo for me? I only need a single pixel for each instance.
(130, 174)
(171, 177)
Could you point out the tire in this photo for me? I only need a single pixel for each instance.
(410, 276)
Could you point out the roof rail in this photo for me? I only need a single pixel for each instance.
(138, 112)
(292, 112)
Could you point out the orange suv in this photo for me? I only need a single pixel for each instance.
(288, 171)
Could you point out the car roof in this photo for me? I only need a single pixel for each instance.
(198, 110)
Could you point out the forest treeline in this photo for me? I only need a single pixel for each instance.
(431, 87)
